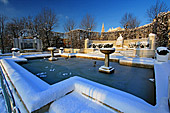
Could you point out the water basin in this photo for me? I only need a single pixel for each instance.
(133, 80)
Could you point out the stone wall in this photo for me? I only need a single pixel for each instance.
(130, 43)
(160, 26)
(75, 38)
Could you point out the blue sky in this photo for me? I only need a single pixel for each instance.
(108, 12)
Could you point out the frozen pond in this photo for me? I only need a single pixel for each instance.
(137, 81)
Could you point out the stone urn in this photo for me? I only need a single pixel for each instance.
(106, 68)
(162, 54)
(15, 52)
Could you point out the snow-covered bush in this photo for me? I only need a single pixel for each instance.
(100, 46)
(90, 45)
(94, 46)
(163, 52)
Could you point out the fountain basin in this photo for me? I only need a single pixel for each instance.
(106, 68)
(51, 48)
(52, 58)
(107, 50)
(15, 49)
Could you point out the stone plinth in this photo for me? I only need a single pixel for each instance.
(152, 38)
(105, 69)
(86, 43)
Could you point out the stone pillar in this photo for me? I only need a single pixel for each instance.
(34, 43)
(86, 43)
(152, 38)
(19, 43)
(16, 43)
(107, 60)
(52, 53)
(38, 45)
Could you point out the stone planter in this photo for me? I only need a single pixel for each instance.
(15, 52)
(162, 54)
(61, 50)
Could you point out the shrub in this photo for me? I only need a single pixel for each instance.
(106, 46)
(94, 46)
(100, 45)
(90, 46)
(163, 52)
(111, 45)
(147, 45)
(142, 46)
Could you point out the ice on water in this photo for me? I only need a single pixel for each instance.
(42, 74)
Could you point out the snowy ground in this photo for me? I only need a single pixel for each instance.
(2, 102)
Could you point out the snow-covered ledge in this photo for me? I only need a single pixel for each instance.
(36, 93)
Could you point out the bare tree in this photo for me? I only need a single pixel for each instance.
(27, 22)
(69, 25)
(88, 23)
(129, 21)
(155, 9)
(14, 27)
(3, 20)
(46, 21)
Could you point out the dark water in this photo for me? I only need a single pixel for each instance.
(129, 79)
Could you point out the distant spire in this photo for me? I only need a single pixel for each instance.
(103, 28)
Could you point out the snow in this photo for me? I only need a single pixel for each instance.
(76, 103)
(2, 102)
(107, 49)
(15, 49)
(51, 48)
(152, 34)
(25, 82)
(152, 80)
(162, 48)
(42, 74)
(145, 61)
(36, 93)
(161, 77)
(118, 99)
